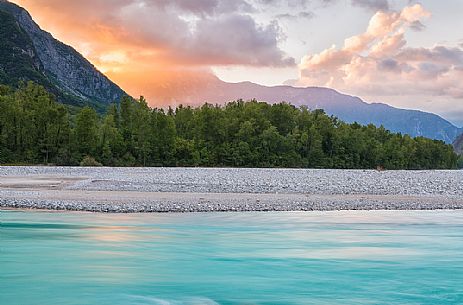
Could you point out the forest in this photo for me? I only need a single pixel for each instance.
(35, 129)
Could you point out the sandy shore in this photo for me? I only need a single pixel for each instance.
(97, 192)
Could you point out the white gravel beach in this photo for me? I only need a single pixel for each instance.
(132, 190)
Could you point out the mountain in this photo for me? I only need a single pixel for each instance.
(29, 53)
(190, 89)
(458, 145)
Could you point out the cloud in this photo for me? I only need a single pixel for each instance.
(238, 39)
(417, 26)
(379, 62)
(169, 32)
(288, 3)
(373, 5)
(202, 7)
(379, 65)
(300, 15)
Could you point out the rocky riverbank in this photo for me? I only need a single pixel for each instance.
(131, 190)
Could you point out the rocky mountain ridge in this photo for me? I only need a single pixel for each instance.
(51, 63)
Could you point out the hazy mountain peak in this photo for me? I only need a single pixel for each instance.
(346, 107)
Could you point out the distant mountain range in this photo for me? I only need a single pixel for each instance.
(208, 88)
(29, 53)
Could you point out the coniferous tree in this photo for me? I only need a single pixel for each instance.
(86, 133)
(34, 129)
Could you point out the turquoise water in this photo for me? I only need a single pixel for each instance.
(232, 258)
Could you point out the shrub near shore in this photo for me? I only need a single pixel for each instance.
(35, 129)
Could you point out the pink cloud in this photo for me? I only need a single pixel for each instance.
(379, 63)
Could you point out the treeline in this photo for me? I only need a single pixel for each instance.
(34, 129)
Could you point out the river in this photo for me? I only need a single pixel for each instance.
(349, 257)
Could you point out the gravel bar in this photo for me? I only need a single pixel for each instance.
(135, 190)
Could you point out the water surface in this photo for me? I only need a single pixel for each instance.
(356, 257)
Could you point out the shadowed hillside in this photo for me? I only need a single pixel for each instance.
(28, 53)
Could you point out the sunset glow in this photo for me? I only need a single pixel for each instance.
(404, 53)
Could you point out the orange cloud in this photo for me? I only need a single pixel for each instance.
(144, 40)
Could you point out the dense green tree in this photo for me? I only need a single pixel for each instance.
(35, 129)
(460, 162)
(184, 122)
(112, 144)
(140, 130)
(86, 133)
(126, 119)
(163, 139)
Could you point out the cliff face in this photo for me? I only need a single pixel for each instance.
(74, 78)
(17, 53)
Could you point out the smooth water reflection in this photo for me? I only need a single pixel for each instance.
(396, 257)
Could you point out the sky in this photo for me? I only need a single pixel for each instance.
(406, 53)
